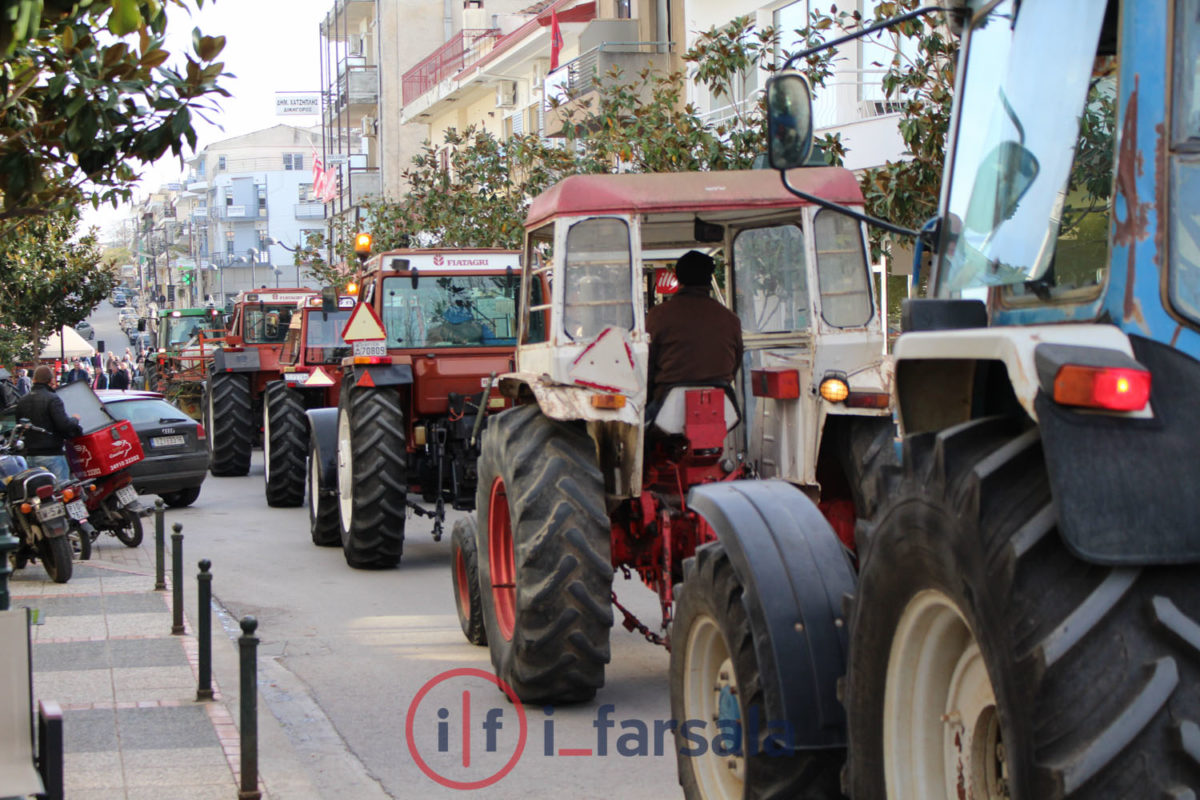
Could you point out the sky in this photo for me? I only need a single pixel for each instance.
(271, 45)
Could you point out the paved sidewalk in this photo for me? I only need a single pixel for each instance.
(103, 649)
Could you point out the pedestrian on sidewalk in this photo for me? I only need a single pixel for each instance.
(24, 382)
(118, 378)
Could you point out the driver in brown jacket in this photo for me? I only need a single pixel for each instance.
(693, 338)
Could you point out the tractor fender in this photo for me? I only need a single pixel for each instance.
(565, 402)
(322, 426)
(794, 574)
(241, 361)
(377, 375)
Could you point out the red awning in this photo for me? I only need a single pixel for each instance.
(584, 12)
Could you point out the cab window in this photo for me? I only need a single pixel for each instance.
(770, 279)
(539, 261)
(842, 271)
(1183, 278)
(598, 284)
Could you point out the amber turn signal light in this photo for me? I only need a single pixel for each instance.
(1110, 388)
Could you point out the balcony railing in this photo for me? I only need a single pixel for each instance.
(465, 48)
(357, 86)
(578, 76)
(310, 211)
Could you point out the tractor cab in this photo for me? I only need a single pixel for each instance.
(795, 274)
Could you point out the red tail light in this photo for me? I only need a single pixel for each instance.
(1112, 388)
(200, 432)
(45, 492)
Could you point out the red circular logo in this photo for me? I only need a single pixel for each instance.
(410, 719)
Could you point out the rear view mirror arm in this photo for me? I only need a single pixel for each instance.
(867, 218)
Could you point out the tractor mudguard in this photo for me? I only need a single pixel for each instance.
(377, 375)
(795, 573)
(1125, 489)
(242, 361)
(322, 425)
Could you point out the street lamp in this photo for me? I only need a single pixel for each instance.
(278, 272)
(292, 250)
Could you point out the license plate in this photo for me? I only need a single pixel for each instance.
(166, 441)
(48, 511)
(126, 495)
(369, 347)
(77, 510)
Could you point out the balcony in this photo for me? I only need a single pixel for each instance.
(574, 83)
(357, 89)
(310, 211)
(463, 50)
(234, 213)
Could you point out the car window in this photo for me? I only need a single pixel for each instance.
(142, 411)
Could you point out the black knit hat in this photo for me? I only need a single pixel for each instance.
(694, 269)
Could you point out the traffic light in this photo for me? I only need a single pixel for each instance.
(187, 277)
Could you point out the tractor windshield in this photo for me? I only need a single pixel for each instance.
(450, 311)
(266, 324)
(180, 330)
(1014, 176)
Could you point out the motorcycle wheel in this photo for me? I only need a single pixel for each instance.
(81, 544)
(128, 529)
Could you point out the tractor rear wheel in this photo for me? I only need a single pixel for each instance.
(464, 574)
(285, 444)
(545, 566)
(715, 678)
(322, 504)
(372, 477)
(228, 419)
(987, 660)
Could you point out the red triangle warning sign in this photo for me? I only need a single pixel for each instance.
(366, 380)
(363, 325)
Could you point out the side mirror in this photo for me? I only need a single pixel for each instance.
(789, 120)
(141, 326)
(416, 277)
(329, 299)
(1003, 178)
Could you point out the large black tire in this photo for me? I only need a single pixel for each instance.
(128, 529)
(464, 575)
(715, 678)
(56, 556)
(322, 505)
(285, 445)
(181, 499)
(229, 420)
(372, 477)
(548, 624)
(1093, 669)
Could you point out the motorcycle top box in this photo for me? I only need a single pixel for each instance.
(107, 445)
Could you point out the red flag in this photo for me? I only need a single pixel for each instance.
(320, 176)
(556, 40)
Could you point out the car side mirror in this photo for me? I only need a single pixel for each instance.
(789, 120)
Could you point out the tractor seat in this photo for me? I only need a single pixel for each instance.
(672, 414)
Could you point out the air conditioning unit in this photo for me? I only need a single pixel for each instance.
(368, 125)
(506, 94)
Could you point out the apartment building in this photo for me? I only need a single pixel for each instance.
(246, 205)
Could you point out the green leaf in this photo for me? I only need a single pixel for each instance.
(125, 18)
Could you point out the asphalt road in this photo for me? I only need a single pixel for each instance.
(371, 678)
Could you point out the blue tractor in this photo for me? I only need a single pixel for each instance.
(1021, 617)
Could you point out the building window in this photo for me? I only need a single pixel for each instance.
(262, 201)
(229, 242)
(263, 254)
(293, 161)
(228, 199)
(624, 9)
(305, 192)
(220, 162)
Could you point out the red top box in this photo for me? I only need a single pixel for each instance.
(105, 451)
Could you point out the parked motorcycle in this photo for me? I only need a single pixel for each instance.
(49, 519)
(113, 508)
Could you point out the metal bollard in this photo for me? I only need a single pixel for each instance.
(160, 568)
(177, 579)
(8, 544)
(204, 630)
(247, 645)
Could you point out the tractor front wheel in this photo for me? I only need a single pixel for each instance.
(545, 566)
(372, 477)
(228, 419)
(986, 660)
(715, 679)
(285, 444)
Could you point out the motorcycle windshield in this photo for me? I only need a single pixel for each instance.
(1015, 140)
